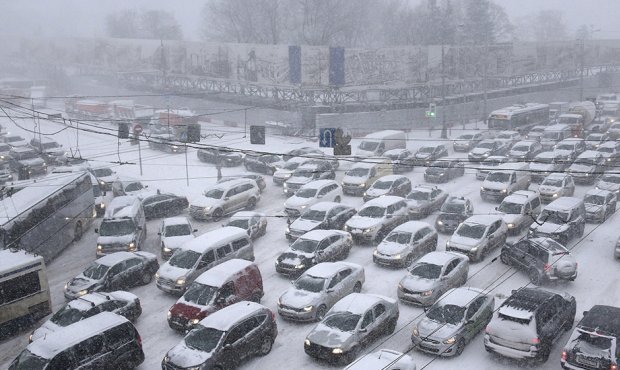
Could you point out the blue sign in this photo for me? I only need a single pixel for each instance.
(327, 137)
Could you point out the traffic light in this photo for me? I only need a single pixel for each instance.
(123, 130)
(193, 133)
(432, 111)
(257, 135)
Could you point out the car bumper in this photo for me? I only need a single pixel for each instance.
(490, 346)
(289, 270)
(389, 260)
(353, 190)
(617, 251)
(169, 287)
(468, 252)
(180, 324)
(595, 217)
(360, 236)
(580, 179)
(415, 298)
(323, 353)
(295, 314)
(434, 346)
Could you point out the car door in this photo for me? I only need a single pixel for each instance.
(134, 267)
(207, 261)
(115, 277)
(236, 347)
(323, 252)
(227, 295)
(366, 328)
(474, 318)
(518, 254)
(335, 290)
(449, 275)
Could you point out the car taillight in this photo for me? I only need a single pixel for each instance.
(564, 355)
(487, 329)
(139, 340)
(547, 267)
(613, 367)
(273, 316)
(536, 341)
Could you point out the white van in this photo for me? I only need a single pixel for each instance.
(554, 134)
(200, 254)
(377, 143)
(123, 227)
(508, 178)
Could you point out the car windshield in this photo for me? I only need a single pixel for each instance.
(368, 145)
(12, 139)
(200, 294)
(498, 177)
(242, 223)
(214, 193)
(552, 181)
(473, 231)
(203, 339)
(304, 173)
(134, 186)
(117, 227)
(521, 148)
(67, 316)
(426, 149)
(305, 245)
(606, 149)
(597, 341)
(553, 135)
(485, 145)
(184, 258)
(453, 207)
(343, 321)
(426, 271)
(510, 208)
(305, 193)
(594, 138)
(585, 161)
(398, 237)
(553, 217)
(100, 172)
(554, 247)
(570, 147)
(594, 199)
(290, 165)
(614, 179)
(372, 212)
(313, 215)
(382, 184)
(419, 195)
(28, 361)
(465, 137)
(96, 190)
(95, 271)
(310, 283)
(178, 230)
(448, 314)
(357, 172)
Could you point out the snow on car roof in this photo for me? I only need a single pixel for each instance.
(456, 200)
(318, 184)
(548, 154)
(90, 300)
(520, 196)
(390, 178)
(321, 234)
(218, 275)
(358, 303)
(461, 296)
(411, 226)
(439, 258)
(394, 151)
(364, 165)
(246, 214)
(382, 359)
(517, 313)
(602, 317)
(571, 140)
(589, 154)
(563, 203)
(599, 192)
(328, 269)
(121, 206)
(608, 144)
(324, 206)
(227, 184)
(114, 258)
(208, 239)
(13, 259)
(175, 221)
(225, 318)
(383, 201)
(53, 343)
(482, 219)
(558, 175)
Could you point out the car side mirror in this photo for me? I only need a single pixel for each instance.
(226, 198)
(139, 227)
(227, 346)
(585, 313)
(363, 330)
(146, 186)
(96, 231)
(220, 300)
(159, 234)
(195, 230)
(330, 290)
(105, 193)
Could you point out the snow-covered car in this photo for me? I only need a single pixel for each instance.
(562, 220)
(263, 163)
(285, 170)
(430, 153)
(546, 163)
(323, 215)
(26, 158)
(465, 142)
(452, 212)
(424, 200)
(5, 175)
(14, 141)
(307, 173)
(114, 271)
(594, 140)
(158, 204)
(556, 185)
(488, 165)
(312, 193)
(126, 186)
(405, 244)
(352, 323)
(609, 181)
(525, 150)
(254, 222)
(225, 198)
(173, 232)
(586, 168)
(377, 218)
(614, 131)
(120, 302)
(166, 143)
(314, 247)
(611, 152)
(49, 149)
(487, 148)
(508, 137)
(600, 204)
(519, 210)
(444, 170)
(536, 132)
(453, 321)
(397, 185)
(384, 359)
(477, 236)
(219, 156)
(318, 289)
(260, 180)
(402, 160)
(431, 276)
(301, 152)
(570, 148)
(105, 176)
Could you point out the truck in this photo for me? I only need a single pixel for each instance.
(376, 143)
(556, 108)
(579, 116)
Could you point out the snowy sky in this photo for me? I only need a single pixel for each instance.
(86, 17)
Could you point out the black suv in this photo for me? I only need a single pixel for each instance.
(444, 170)
(544, 259)
(223, 157)
(592, 344)
(265, 163)
(528, 322)
(452, 212)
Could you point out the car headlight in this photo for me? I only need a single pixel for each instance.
(300, 266)
(167, 250)
(482, 188)
(365, 194)
(347, 228)
(416, 332)
(427, 293)
(277, 262)
(307, 342)
(362, 185)
(337, 351)
(376, 252)
(396, 256)
(180, 281)
(439, 222)
(169, 315)
(285, 185)
(194, 321)
(83, 292)
(504, 191)
(511, 226)
(447, 243)
(132, 246)
(102, 205)
(166, 358)
(450, 340)
(474, 249)
(102, 182)
(304, 206)
(99, 247)
(308, 308)
(288, 230)
(66, 286)
(555, 195)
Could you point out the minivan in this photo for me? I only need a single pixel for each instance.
(123, 227)
(554, 134)
(504, 181)
(363, 174)
(376, 143)
(230, 282)
(202, 253)
(561, 220)
(103, 341)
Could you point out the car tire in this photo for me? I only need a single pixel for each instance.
(251, 203)
(146, 278)
(534, 276)
(504, 258)
(320, 312)
(256, 297)
(358, 287)
(460, 347)
(265, 345)
(337, 199)
(391, 326)
(78, 232)
(409, 260)
(217, 214)
(582, 230)
(351, 355)
(545, 350)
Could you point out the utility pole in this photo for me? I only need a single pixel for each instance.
(444, 128)
(484, 81)
(581, 66)
(139, 152)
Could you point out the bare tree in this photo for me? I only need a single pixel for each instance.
(123, 24)
(148, 24)
(546, 25)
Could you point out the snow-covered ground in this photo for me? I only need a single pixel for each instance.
(599, 273)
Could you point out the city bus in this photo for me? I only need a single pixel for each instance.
(24, 290)
(520, 117)
(45, 215)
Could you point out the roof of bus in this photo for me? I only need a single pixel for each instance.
(32, 193)
(12, 259)
(508, 111)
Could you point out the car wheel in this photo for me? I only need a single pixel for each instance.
(320, 312)
(77, 234)
(504, 258)
(582, 230)
(256, 297)
(545, 349)
(251, 203)
(534, 276)
(217, 214)
(351, 355)
(391, 326)
(265, 345)
(146, 278)
(460, 346)
(358, 287)
(409, 260)
(337, 199)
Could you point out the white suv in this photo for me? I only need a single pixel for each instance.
(225, 198)
(312, 193)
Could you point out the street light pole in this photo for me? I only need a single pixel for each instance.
(484, 81)
(444, 128)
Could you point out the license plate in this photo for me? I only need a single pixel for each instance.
(586, 361)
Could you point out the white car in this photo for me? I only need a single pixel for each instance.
(478, 235)
(254, 222)
(609, 181)
(173, 232)
(312, 193)
(405, 244)
(318, 289)
(383, 359)
(286, 169)
(556, 185)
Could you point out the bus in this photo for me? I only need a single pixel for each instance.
(44, 216)
(24, 290)
(520, 117)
